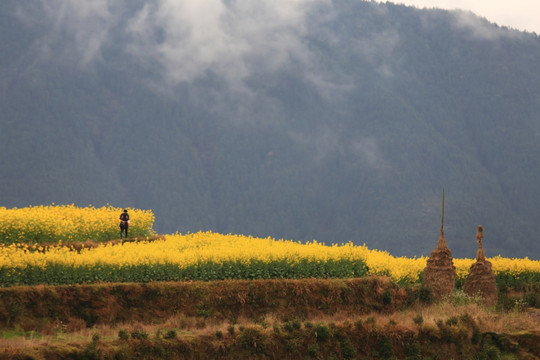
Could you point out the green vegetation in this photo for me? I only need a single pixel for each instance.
(207, 271)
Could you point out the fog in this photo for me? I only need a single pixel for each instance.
(230, 39)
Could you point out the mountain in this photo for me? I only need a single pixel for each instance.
(330, 120)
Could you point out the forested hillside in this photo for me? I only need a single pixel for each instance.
(336, 121)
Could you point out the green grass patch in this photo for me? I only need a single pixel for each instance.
(205, 271)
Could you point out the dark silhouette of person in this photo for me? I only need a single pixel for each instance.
(124, 223)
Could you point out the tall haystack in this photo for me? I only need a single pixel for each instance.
(481, 279)
(440, 272)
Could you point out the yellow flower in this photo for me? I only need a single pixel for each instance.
(205, 247)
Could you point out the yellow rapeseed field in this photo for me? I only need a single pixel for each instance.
(201, 248)
(68, 223)
(202, 255)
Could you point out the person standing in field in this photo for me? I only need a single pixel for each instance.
(124, 223)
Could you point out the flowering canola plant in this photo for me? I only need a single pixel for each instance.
(212, 256)
(199, 256)
(69, 223)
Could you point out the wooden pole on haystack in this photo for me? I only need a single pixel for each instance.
(442, 241)
(442, 217)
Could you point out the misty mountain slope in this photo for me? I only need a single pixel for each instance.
(336, 121)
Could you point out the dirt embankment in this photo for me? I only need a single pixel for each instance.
(29, 306)
(249, 319)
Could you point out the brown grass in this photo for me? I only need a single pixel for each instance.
(486, 319)
(32, 308)
(204, 332)
(21, 343)
(199, 310)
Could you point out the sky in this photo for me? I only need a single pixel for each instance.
(521, 15)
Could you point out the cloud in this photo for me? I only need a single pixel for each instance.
(479, 28)
(184, 41)
(80, 27)
(326, 143)
(367, 149)
(379, 50)
(232, 39)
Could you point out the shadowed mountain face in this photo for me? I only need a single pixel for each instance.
(336, 121)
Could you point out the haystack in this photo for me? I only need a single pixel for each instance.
(481, 279)
(440, 272)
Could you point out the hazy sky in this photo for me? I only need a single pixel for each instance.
(518, 14)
